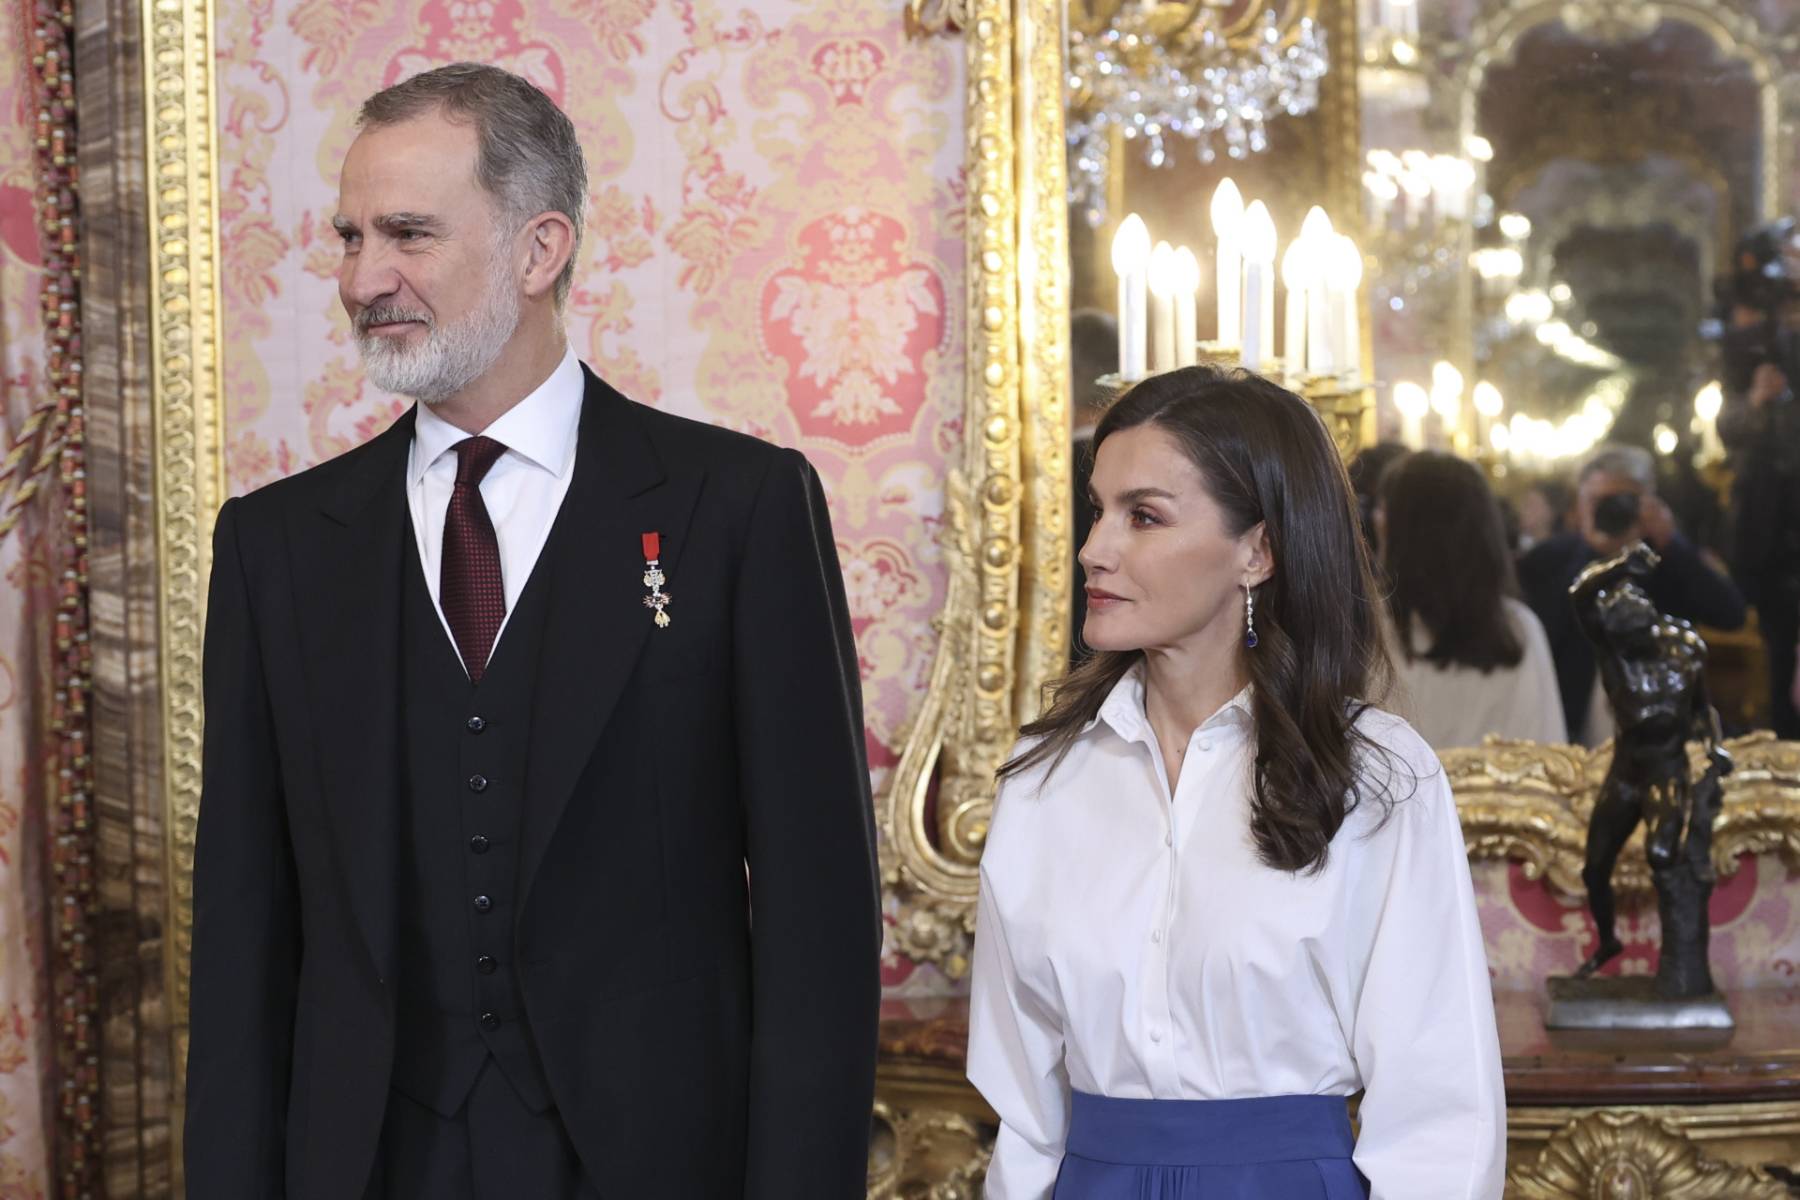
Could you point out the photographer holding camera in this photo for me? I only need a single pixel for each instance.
(1616, 506)
(1760, 425)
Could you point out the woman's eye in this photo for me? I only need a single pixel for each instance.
(1143, 516)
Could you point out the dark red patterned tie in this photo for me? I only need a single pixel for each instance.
(469, 584)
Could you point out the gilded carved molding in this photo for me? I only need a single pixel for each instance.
(1624, 1155)
(936, 16)
(926, 1152)
(1003, 630)
(1531, 802)
(190, 485)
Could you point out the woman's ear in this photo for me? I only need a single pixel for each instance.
(1258, 561)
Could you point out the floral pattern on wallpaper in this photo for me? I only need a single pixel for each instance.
(1532, 932)
(774, 245)
(26, 600)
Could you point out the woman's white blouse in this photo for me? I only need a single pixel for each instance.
(1131, 944)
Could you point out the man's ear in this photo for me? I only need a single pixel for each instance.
(549, 245)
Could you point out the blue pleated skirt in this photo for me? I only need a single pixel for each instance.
(1269, 1148)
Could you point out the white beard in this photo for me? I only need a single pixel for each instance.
(451, 357)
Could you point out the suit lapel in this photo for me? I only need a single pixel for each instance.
(596, 625)
(349, 553)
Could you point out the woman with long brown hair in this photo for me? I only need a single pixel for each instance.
(1470, 658)
(1221, 892)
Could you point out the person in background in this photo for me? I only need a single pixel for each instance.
(1365, 476)
(1616, 505)
(1221, 892)
(1543, 509)
(1470, 659)
(1093, 354)
(1760, 426)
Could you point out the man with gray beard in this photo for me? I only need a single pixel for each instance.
(514, 715)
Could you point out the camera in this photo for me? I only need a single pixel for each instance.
(1614, 515)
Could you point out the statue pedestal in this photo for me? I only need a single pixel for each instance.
(1630, 1002)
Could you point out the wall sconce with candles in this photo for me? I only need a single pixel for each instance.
(1322, 272)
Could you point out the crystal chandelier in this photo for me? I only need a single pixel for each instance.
(1154, 71)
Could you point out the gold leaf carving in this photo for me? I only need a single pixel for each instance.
(1627, 1155)
(936, 16)
(190, 485)
(926, 1154)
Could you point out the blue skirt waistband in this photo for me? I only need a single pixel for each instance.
(1204, 1133)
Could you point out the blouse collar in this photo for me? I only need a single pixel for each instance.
(1123, 708)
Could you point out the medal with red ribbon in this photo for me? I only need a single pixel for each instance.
(654, 580)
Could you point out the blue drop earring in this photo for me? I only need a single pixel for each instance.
(1249, 618)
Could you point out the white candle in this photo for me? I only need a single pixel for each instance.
(1707, 403)
(1227, 218)
(1130, 261)
(1412, 402)
(1187, 282)
(1296, 269)
(1346, 270)
(1259, 286)
(1317, 233)
(1417, 186)
(1489, 404)
(1162, 308)
(1446, 398)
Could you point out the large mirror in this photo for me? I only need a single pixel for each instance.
(1569, 219)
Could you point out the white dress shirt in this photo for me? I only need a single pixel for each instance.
(522, 490)
(1130, 944)
(1458, 706)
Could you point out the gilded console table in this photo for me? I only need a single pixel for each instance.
(1589, 1116)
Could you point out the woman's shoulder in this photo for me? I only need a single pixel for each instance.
(1524, 619)
(1390, 730)
(1024, 796)
(1399, 769)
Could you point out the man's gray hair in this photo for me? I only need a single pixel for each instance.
(1627, 462)
(528, 158)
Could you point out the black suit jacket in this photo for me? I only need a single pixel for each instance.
(677, 780)
(1682, 585)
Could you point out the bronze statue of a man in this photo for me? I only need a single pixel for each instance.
(1651, 666)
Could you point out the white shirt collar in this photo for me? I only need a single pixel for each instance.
(541, 428)
(1123, 708)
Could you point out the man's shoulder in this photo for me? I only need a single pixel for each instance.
(686, 444)
(697, 442)
(1560, 553)
(317, 484)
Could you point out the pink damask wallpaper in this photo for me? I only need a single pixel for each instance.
(774, 245)
(1532, 931)
(27, 600)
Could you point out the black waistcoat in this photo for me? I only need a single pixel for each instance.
(464, 748)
